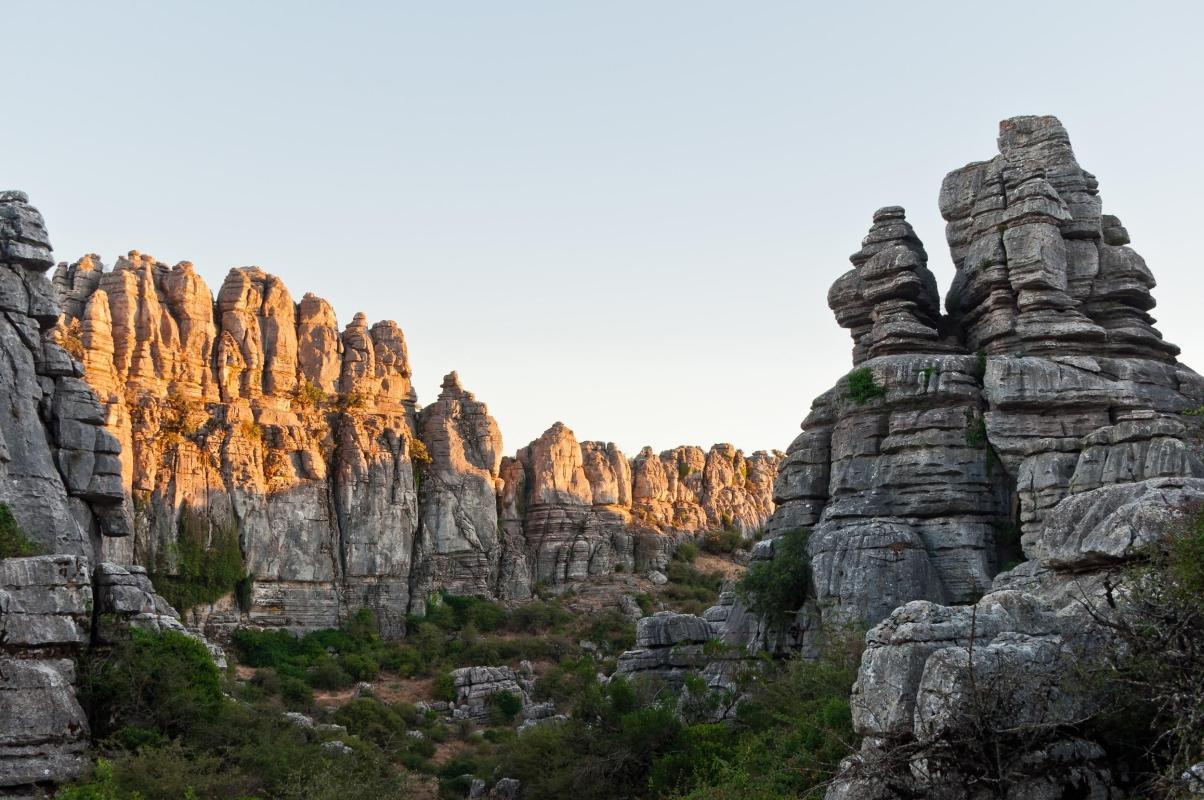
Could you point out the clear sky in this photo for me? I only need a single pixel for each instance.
(622, 215)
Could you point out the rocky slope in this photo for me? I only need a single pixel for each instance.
(257, 415)
(1041, 417)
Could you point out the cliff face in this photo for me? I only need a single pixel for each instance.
(259, 415)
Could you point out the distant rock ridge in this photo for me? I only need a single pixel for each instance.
(261, 414)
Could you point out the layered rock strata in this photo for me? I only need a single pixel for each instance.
(60, 469)
(1071, 428)
(52, 610)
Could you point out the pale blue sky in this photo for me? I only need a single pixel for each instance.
(622, 215)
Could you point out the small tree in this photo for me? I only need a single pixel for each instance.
(775, 589)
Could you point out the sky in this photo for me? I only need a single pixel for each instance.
(625, 215)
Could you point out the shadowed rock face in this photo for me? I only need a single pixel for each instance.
(257, 414)
(60, 470)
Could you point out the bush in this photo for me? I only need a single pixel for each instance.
(445, 687)
(326, 673)
(13, 543)
(862, 388)
(687, 551)
(504, 706)
(789, 737)
(157, 681)
(689, 590)
(1153, 726)
(208, 564)
(776, 589)
(604, 750)
(360, 667)
(296, 693)
(726, 541)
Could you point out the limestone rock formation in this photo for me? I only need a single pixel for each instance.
(459, 547)
(60, 470)
(252, 414)
(668, 647)
(475, 686)
(1075, 441)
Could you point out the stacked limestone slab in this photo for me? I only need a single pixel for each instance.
(60, 469)
(1076, 414)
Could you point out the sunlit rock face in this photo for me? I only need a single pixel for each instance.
(62, 479)
(255, 414)
(584, 509)
(250, 414)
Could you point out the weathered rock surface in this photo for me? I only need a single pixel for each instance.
(59, 468)
(475, 686)
(459, 547)
(668, 648)
(1078, 406)
(52, 609)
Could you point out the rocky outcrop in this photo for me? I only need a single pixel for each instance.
(52, 610)
(476, 686)
(461, 546)
(1074, 441)
(668, 648)
(253, 414)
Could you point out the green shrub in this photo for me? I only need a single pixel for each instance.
(720, 542)
(326, 673)
(163, 682)
(976, 430)
(296, 693)
(208, 564)
(687, 551)
(604, 750)
(690, 590)
(789, 738)
(862, 388)
(777, 588)
(445, 687)
(683, 470)
(539, 615)
(503, 706)
(13, 543)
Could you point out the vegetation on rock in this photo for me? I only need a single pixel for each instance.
(207, 565)
(13, 542)
(775, 589)
(862, 388)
